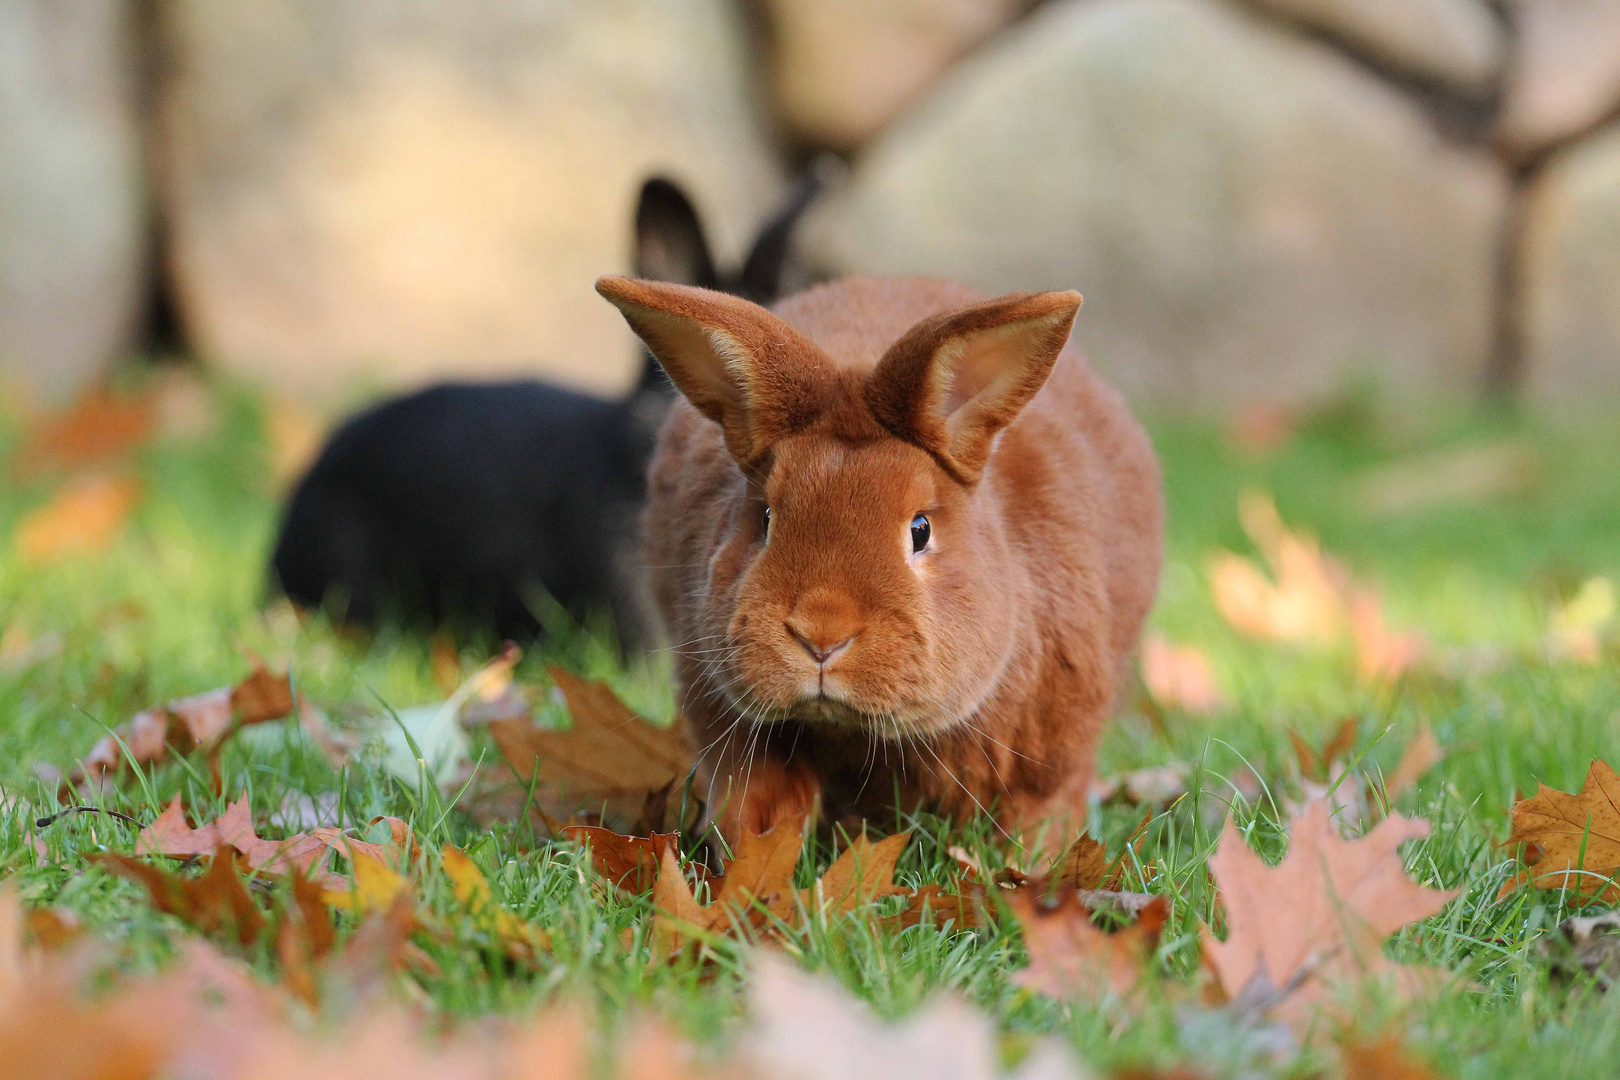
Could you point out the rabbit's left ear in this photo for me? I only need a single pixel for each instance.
(743, 367)
(955, 380)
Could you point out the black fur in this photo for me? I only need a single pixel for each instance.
(465, 503)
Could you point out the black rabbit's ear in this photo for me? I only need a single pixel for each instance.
(761, 276)
(670, 245)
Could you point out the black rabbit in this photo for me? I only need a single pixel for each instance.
(460, 503)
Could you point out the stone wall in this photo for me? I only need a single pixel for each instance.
(1260, 199)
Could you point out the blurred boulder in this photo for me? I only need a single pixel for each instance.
(1569, 274)
(72, 229)
(1250, 216)
(1453, 43)
(1563, 72)
(369, 190)
(842, 69)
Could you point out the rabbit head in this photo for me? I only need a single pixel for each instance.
(859, 571)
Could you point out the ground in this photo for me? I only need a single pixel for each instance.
(178, 600)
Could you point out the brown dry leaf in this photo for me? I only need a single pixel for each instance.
(1321, 913)
(520, 939)
(806, 1027)
(1572, 840)
(629, 863)
(1386, 1059)
(609, 759)
(1382, 654)
(202, 721)
(1261, 428)
(302, 854)
(1318, 765)
(677, 916)
(963, 909)
(215, 903)
(1085, 865)
(84, 517)
(1179, 676)
(1071, 957)
(101, 426)
(1154, 786)
(862, 873)
(756, 892)
(1423, 753)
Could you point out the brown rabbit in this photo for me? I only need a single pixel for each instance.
(902, 540)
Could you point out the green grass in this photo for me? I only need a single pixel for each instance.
(176, 603)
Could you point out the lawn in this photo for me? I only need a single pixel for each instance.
(1478, 556)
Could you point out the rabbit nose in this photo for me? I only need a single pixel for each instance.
(819, 649)
(824, 623)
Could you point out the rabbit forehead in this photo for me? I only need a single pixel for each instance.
(826, 473)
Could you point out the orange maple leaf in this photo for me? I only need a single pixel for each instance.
(609, 761)
(84, 517)
(1070, 956)
(202, 721)
(1179, 676)
(1573, 838)
(1324, 910)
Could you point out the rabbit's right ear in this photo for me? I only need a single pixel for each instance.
(741, 366)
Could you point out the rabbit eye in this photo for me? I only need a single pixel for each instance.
(920, 531)
(765, 523)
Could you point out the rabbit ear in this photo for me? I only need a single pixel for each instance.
(740, 365)
(670, 245)
(955, 380)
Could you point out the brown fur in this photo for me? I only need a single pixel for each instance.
(977, 674)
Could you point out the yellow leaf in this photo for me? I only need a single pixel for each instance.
(375, 886)
(84, 517)
(473, 891)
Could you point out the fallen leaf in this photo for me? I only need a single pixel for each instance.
(1154, 786)
(1318, 765)
(1318, 916)
(101, 426)
(520, 939)
(83, 518)
(1085, 865)
(807, 1028)
(215, 903)
(1071, 957)
(1386, 1059)
(1261, 428)
(1179, 676)
(1588, 945)
(200, 722)
(1576, 626)
(432, 740)
(629, 863)
(294, 433)
(862, 873)
(1382, 654)
(1305, 603)
(1423, 753)
(1572, 841)
(374, 886)
(963, 909)
(301, 854)
(610, 759)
